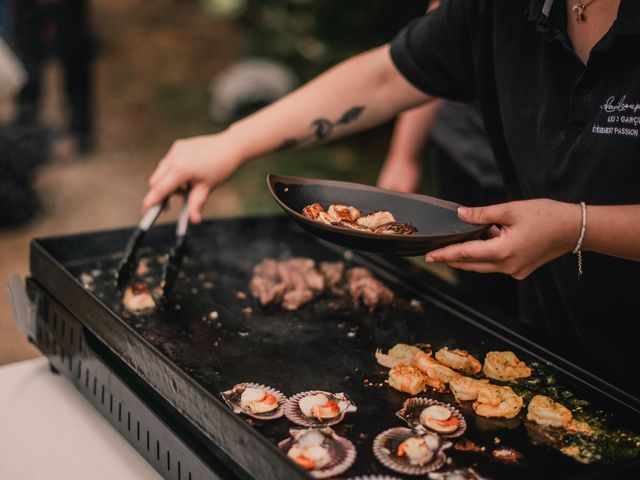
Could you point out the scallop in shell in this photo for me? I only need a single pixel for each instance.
(246, 399)
(317, 408)
(433, 415)
(425, 453)
(320, 451)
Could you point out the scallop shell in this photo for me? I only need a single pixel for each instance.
(386, 443)
(467, 473)
(294, 413)
(374, 477)
(232, 399)
(341, 450)
(412, 407)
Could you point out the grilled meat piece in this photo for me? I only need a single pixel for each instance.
(352, 226)
(297, 281)
(312, 211)
(371, 291)
(356, 273)
(265, 284)
(394, 228)
(267, 290)
(344, 212)
(324, 217)
(374, 219)
(332, 272)
(301, 274)
(294, 299)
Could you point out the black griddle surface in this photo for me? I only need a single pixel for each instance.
(328, 344)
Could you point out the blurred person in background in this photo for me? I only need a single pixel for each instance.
(465, 171)
(42, 28)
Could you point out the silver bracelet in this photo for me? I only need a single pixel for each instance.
(583, 228)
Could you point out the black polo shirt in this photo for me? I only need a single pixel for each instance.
(560, 130)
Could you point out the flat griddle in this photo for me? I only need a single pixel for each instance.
(187, 359)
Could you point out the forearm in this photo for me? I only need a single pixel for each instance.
(412, 131)
(355, 95)
(613, 230)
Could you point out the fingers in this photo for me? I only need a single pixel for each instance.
(500, 214)
(493, 232)
(473, 251)
(163, 188)
(197, 198)
(479, 267)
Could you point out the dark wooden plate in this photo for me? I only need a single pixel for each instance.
(436, 220)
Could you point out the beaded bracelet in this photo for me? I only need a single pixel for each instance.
(583, 229)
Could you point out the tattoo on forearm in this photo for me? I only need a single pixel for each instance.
(322, 129)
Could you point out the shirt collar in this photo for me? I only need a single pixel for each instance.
(627, 22)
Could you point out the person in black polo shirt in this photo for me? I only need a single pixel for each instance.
(558, 85)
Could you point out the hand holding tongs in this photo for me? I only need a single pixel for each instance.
(170, 271)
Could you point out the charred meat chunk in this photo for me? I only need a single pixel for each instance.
(394, 228)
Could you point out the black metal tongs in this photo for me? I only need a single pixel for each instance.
(173, 264)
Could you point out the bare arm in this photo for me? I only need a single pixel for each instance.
(355, 95)
(401, 169)
(614, 230)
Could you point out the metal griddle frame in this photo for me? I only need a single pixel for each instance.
(158, 408)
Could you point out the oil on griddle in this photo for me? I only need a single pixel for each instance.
(216, 332)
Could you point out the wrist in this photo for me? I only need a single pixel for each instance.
(238, 149)
(570, 221)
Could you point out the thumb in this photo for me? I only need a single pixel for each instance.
(499, 214)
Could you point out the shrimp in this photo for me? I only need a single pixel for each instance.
(504, 366)
(466, 388)
(407, 379)
(438, 374)
(548, 413)
(460, 360)
(495, 401)
(400, 354)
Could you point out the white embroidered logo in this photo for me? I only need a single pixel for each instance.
(611, 106)
(621, 118)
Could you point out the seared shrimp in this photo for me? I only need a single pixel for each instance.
(400, 354)
(460, 360)
(433, 369)
(407, 379)
(504, 366)
(466, 388)
(499, 402)
(547, 412)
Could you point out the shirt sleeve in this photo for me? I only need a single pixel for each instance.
(435, 52)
